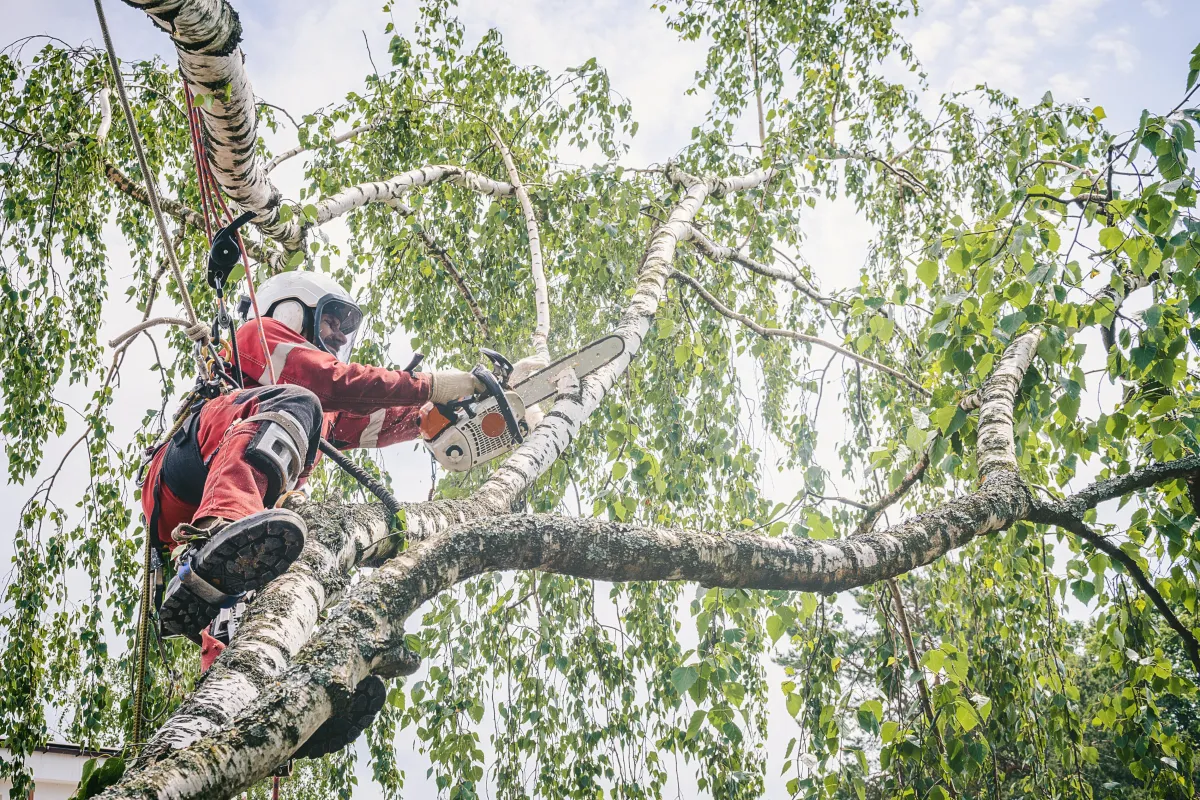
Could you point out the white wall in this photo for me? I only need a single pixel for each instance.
(55, 775)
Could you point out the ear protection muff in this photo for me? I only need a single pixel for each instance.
(291, 313)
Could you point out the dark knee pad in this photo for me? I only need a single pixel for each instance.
(285, 445)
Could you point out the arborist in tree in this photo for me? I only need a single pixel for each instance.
(210, 492)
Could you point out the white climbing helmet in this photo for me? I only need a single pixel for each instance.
(314, 306)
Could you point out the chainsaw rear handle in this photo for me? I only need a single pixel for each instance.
(494, 389)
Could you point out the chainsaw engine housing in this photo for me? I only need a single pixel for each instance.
(471, 434)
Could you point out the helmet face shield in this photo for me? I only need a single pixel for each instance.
(336, 322)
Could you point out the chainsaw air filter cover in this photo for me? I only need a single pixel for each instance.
(476, 434)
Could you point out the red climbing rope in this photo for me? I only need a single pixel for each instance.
(210, 199)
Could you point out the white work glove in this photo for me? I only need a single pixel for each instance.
(522, 370)
(526, 367)
(452, 384)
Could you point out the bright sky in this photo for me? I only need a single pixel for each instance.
(1122, 54)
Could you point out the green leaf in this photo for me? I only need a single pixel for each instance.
(775, 627)
(965, 715)
(1111, 238)
(295, 259)
(697, 720)
(819, 526)
(683, 678)
(1010, 323)
(808, 605)
(1084, 591)
(927, 271)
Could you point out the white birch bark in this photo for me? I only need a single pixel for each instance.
(393, 189)
(276, 625)
(298, 149)
(207, 34)
(541, 294)
(997, 449)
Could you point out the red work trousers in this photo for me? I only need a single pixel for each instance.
(233, 488)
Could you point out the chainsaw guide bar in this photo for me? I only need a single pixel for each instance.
(543, 384)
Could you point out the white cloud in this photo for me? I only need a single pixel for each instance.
(1059, 18)
(1155, 8)
(929, 40)
(1123, 53)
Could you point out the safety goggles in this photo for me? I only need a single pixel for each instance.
(337, 322)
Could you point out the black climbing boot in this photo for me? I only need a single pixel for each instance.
(222, 562)
(342, 729)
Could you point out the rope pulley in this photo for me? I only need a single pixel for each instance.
(226, 253)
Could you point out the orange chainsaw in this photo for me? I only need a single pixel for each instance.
(466, 433)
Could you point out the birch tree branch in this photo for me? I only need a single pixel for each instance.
(766, 332)
(1121, 485)
(1058, 515)
(997, 449)
(541, 296)
(439, 253)
(367, 626)
(716, 252)
(875, 509)
(393, 189)
(298, 149)
(256, 250)
(207, 36)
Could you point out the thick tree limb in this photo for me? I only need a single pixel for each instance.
(363, 628)
(997, 448)
(1121, 485)
(207, 35)
(368, 626)
(761, 330)
(298, 149)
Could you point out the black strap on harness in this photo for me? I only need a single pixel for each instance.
(183, 469)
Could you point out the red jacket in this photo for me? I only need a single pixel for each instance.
(364, 406)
